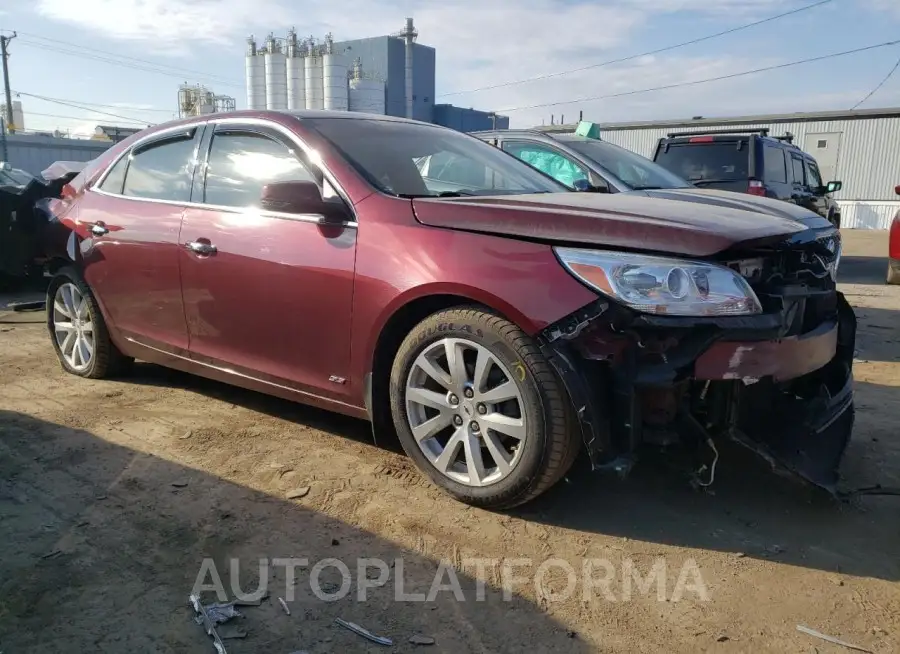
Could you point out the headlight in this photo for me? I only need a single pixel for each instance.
(673, 287)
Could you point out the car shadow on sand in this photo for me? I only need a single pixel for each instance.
(103, 544)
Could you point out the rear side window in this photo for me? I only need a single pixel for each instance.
(548, 161)
(722, 161)
(775, 167)
(115, 178)
(161, 171)
(240, 164)
(797, 170)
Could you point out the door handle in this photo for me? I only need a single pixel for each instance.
(99, 229)
(201, 248)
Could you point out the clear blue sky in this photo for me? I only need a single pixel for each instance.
(478, 44)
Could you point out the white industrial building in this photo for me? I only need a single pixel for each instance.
(197, 100)
(860, 148)
(292, 74)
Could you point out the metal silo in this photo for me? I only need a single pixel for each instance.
(296, 74)
(256, 77)
(334, 74)
(366, 95)
(315, 91)
(276, 76)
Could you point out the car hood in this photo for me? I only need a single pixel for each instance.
(620, 220)
(743, 201)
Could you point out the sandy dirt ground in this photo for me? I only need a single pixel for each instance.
(112, 494)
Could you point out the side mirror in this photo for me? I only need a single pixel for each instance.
(834, 187)
(302, 198)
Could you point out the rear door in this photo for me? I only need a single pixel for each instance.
(709, 162)
(132, 219)
(268, 296)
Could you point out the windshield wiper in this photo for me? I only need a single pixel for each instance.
(710, 181)
(649, 188)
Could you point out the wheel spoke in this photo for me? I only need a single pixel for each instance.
(474, 461)
(431, 369)
(85, 349)
(431, 427)
(428, 398)
(514, 427)
(63, 326)
(482, 369)
(497, 452)
(505, 391)
(87, 328)
(456, 364)
(68, 344)
(82, 306)
(448, 456)
(69, 299)
(76, 352)
(59, 307)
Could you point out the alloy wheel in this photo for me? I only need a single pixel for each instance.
(466, 411)
(73, 327)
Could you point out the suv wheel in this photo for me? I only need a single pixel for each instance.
(480, 410)
(78, 331)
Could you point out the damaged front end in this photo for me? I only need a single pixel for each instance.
(778, 382)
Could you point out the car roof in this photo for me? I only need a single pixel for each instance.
(535, 134)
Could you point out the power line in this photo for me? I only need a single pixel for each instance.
(702, 81)
(112, 106)
(880, 84)
(117, 62)
(77, 106)
(176, 69)
(643, 54)
(78, 118)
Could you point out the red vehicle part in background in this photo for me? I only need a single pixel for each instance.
(893, 271)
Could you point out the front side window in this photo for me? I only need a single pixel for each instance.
(797, 170)
(548, 161)
(812, 174)
(416, 160)
(161, 171)
(775, 168)
(240, 164)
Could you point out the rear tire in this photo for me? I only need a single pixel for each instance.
(78, 331)
(497, 441)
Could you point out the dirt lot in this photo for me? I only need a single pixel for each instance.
(113, 493)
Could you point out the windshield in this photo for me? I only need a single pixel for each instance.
(632, 169)
(720, 161)
(415, 160)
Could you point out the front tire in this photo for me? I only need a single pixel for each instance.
(77, 330)
(480, 410)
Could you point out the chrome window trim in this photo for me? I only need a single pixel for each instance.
(311, 154)
(299, 217)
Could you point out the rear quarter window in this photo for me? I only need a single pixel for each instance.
(775, 166)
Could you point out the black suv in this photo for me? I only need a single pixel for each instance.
(750, 161)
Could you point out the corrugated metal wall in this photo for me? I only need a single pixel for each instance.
(33, 153)
(868, 162)
(467, 120)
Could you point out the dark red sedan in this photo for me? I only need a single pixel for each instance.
(433, 284)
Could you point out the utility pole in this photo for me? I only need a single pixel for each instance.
(4, 55)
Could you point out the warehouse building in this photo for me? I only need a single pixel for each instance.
(392, 75)
(859, 148)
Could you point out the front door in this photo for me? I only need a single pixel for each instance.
(130, 223)
(267, 295)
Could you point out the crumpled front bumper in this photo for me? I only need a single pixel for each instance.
(788, 399)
